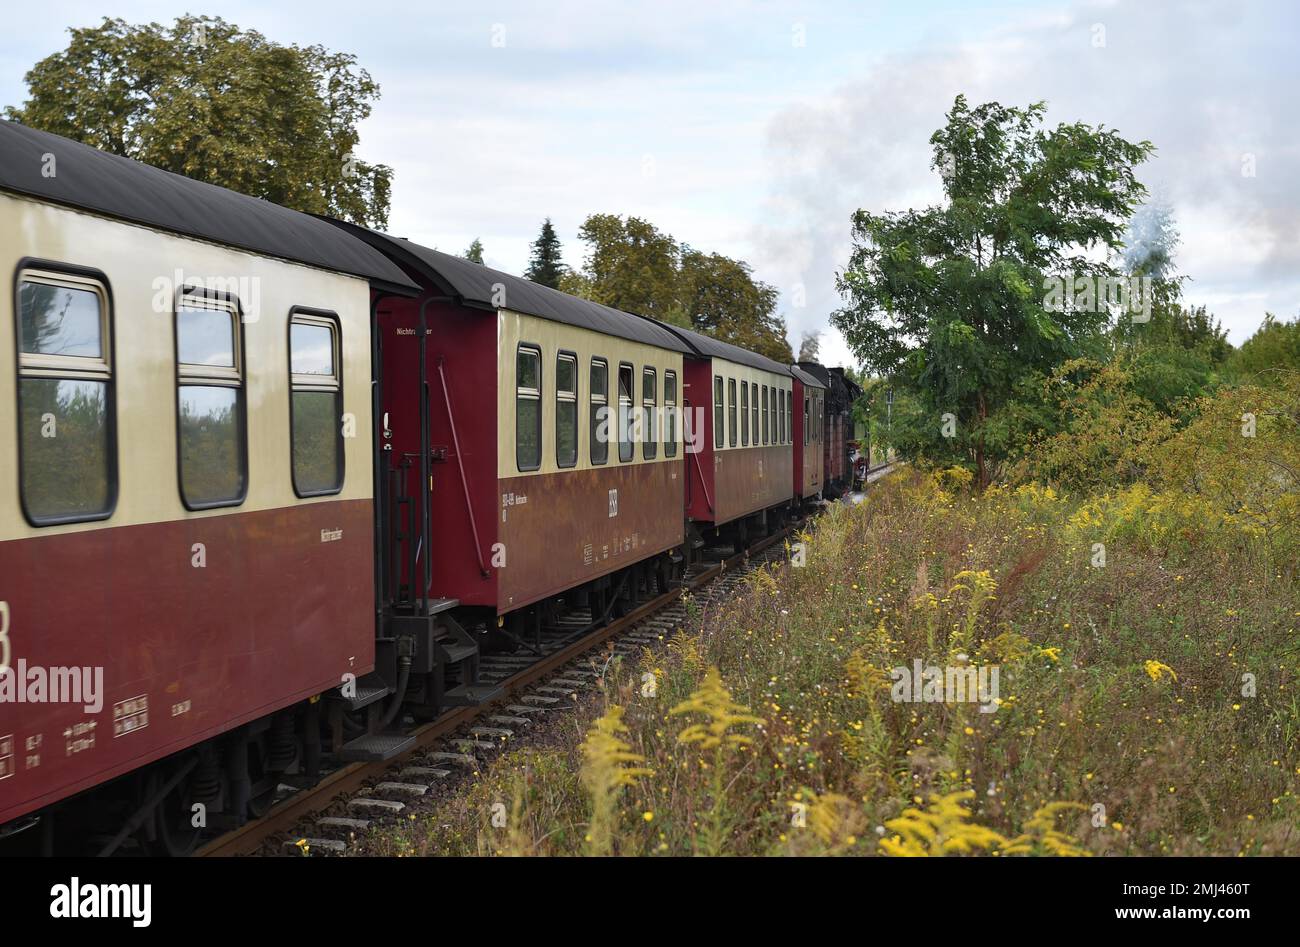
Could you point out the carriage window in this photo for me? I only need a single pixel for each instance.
(789, 417)
(778, 407)
(670, 414)
(778, 421)
(744, 414)
(805, 419)
(65, 421)
(210, 403)
(765, 417)
(649, 409)
(731, 411)
(753, 409)
(718, 426)
(566, 409)
(625, 444)
(316, 404)
(599, 411)
(528, 408)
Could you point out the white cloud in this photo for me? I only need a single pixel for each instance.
(762, 149)
(1206, 83)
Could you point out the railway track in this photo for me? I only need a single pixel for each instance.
(457, 742)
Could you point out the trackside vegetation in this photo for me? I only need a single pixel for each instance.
(1147, 638)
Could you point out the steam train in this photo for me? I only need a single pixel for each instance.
(271, 484)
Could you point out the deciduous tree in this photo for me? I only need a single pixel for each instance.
(951, 300)
(207, 100)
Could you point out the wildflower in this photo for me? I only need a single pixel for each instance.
(713, 700)
(1156, 670)
(1043, 835)
(940, 829)
(603, 774)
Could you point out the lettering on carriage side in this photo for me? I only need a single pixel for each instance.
(79, 737)
(331, 535)
(32, 747)
(182, 707)
(511, 499)
(613, 503)
(130, 715)
(587, 554)
(6, 756)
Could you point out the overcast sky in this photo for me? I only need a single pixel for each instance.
(756, 129)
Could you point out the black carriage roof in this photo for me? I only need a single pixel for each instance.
(810, 380)
(817, 370)
(473, 284)
(706, 346)
(103, 183)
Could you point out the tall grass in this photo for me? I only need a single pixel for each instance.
(1149, 700)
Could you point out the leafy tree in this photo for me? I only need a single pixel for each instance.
(1251, 479)
(950, 300)
(720, 297)
(1273, 350)
(1099, 431)
(204, 99)
(545, 266)
(634, 266)
(630, 265)
(475, 252)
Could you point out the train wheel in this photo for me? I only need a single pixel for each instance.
(174, 833)
(260, 805)
(264, 776)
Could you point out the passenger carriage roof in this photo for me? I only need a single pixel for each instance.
(817, 370)
(474, 284)
(708, 347)
(102, 183)
(809, 380)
